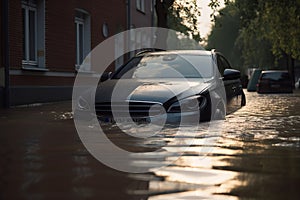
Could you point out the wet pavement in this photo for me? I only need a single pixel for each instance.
(254, 154)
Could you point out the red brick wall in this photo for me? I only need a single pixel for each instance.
(140, 19)
(112, 12)
(59, 29)
(15, 34)
(41, 80)
(1, 39)
(60, 34)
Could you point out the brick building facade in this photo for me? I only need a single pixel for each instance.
(48, 40)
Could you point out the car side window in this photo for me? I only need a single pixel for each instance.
(127, 67)
(222, 64)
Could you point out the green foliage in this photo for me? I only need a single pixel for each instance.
(263, 31)
(215, 5)
(274, 25)
(256, 52)
(249, 32)
(224, 34)
(183, 17)
(280, 24)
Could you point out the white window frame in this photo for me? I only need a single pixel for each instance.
(27, 60)
(78, 22)
(140, 5)
(82, 18)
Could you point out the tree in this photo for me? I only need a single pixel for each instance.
(256, 50)
(162, 8)
(224, 34)
(183, 17)
(273, 26)
(268, 30)
(179, 15)
(280, 23)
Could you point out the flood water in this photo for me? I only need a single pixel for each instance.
(253, 154)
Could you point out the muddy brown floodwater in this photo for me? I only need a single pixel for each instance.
(254, 155)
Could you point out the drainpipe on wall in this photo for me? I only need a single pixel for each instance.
(153, 22)
(153, 13)
(128, 4)
(128, 14)
(6, 53)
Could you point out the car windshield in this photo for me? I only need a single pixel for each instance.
(167, 66)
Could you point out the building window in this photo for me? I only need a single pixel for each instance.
(33, 14)
(140, 5)
(29, 14)
(82, 36)
(79, 27)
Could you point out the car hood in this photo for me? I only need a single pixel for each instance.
(148, 90)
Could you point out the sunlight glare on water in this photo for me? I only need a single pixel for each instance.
(216, 166)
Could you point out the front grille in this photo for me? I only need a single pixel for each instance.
(136, 109)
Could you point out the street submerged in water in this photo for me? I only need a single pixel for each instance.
(255, 156)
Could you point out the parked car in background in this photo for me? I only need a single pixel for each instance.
(175, 84)
(274, 81)
(252, 84)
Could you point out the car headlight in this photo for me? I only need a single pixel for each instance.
(188, 104)
(83, 104)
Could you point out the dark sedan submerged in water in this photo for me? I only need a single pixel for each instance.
(275, 81)
(171, 86)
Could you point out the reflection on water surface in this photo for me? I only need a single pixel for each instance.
(255, 154)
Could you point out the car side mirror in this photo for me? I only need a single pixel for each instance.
(105, 76)
(231, 74)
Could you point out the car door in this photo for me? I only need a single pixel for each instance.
(233, 87)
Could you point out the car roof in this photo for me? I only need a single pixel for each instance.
(190, 52)
(274, 71)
